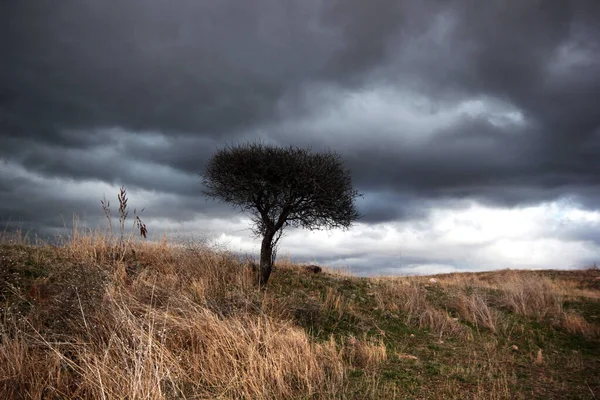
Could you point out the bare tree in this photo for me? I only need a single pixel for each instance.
(279, 187)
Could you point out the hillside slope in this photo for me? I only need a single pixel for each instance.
(88, 320)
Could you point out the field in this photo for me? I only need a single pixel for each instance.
(95, 319)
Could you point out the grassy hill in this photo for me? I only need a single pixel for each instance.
(149, 320)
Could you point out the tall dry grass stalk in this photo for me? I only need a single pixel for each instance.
(120, 242)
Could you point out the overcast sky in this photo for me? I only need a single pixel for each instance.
(472, 128)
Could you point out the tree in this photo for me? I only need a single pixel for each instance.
(279, 187)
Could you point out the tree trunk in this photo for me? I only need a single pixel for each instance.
(266, 259)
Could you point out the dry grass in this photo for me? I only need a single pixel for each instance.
(475, 308)
(160, 322)
(335, 301)
(407, 296)
(365, 353)
(573, 289)
(575, 323)
(527, 293)
(531, 296)
(487, 368)
(174, 322)
(157, 355)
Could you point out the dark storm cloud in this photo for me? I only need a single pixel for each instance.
(540, 59)
(543, 76)
(378, 206)
(142, 92)
(202, 67)
(365, 28)
(146, 161)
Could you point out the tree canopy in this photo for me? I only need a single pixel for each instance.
(282, 186)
